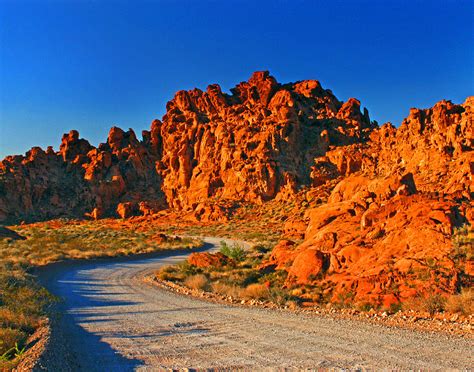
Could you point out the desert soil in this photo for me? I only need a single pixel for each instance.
(111, 319)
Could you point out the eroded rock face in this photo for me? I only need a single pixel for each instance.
(435, 145)
(251, 145)
(126, 210)
(377, 244)
(79, 179)
(385, 233)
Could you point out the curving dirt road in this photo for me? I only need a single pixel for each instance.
(113, 321)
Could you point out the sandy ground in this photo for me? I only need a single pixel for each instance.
(111, 320)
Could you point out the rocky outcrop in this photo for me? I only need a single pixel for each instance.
(435, 145)
(254, 143)
(379, 241)
(210, 148)
(385, 233)
(79, 179)
(205, 259)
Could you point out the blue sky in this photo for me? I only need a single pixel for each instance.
(88, 65)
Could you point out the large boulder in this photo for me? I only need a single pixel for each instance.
(206, 259)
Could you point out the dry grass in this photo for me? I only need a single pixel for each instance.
(462, 303)
(256, 291)
(63, 239)
(198, 281)
(227, 290)
(430, 303)
(9, 337)
(241, 280)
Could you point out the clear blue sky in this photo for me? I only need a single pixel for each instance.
(89, 65)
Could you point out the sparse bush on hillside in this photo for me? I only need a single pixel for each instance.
(430, 303)
(462, 303)
(235, 252)
(463, 243)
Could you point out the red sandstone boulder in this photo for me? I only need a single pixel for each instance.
(205, 259)
(369, 250)
(149, 208)
(306, 266)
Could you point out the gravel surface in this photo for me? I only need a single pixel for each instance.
(114, 321)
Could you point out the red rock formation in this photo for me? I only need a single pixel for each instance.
(205, 259)
(252, 145)
(375, 239)
(384, 234)
(79, 179)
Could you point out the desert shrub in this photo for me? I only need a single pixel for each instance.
(167, 273)
(280, 296)
(434, 303)
(463, 243)
(462, 302)
(276, 278)
(20, 321)
(187, 269)
(364, 306)
(228, 290)
(262, 248)
(235, 252)
(198, 281)
(256, 292)
(251, 277)
(431, 303)
(395, 307)
(344, 300)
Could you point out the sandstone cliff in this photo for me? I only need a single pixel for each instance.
(210, 147)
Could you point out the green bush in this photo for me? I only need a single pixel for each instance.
(235, 252)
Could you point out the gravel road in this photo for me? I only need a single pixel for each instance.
(113, 321)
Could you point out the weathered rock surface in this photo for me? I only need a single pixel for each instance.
(251, 145)
(385, 233)
(206, 259)
(79, 179)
